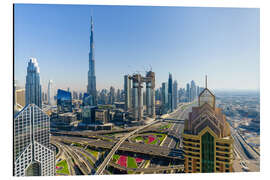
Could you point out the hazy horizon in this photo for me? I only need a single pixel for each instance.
(187, 42)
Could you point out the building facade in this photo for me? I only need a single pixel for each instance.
(33, 153)
(91, 87)
(170, 93)
(33, 93)
(50, 93)
(64, 101)
(127, 90)
(175, 94)
(207, 142)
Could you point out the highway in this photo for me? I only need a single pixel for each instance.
(181, 113)
(107, 159)
(244, 154)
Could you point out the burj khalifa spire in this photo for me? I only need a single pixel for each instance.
(91, 87)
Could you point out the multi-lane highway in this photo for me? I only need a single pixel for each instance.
(246, 159)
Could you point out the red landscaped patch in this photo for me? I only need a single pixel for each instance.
(122, 161)
(138, 160)
(150, 139)
(57, 167)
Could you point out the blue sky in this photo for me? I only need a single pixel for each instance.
(188, 42)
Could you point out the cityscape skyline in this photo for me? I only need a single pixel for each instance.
(129, 61)
(159, 120)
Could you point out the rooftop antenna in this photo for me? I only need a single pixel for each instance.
(205, 81)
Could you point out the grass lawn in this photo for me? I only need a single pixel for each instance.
(93, 152)
(167, 126)
(131, 163)
(154, 142)
(115, 157)
(139, 138)
(63, 164)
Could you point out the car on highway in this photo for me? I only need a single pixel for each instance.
(244, 166)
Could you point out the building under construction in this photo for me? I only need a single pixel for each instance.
(134, 98)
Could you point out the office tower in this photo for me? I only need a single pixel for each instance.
(50, 92)
(32, 85)
(198, 91)
(164, 97)
(75, 95)
(170, 89)
(150, 102)
(33, 153)
(91, 87)
(158, 95)
(192, 90)
(80, 96)
(64, 101)
(207, 142)
(175, 94)
(88, 114)
(112, 95)
(188, 92)
(118, 95)
(127, 90)
(137, 97)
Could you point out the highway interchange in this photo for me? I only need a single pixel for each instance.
(81, 161)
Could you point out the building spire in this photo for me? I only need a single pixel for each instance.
(205, 81)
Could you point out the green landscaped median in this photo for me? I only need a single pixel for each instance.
(131, 163)
(64, 166)
(115, 157)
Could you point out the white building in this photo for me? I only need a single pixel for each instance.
(33, 153)
(32, 85)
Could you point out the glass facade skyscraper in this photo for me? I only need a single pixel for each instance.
(170, 89)
(64, 101)
(32, 85)
(33, 153)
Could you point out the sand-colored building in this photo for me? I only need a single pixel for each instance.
(207, 141)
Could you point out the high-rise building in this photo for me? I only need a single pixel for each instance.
(192, 91)
(207, 141)
(32, 85)
(170, 89)
(198, 91)
(50, 92)
(91, 87)
(128, 94)
(175, 94)
(33, 153)
(112, 95)
(188, 92)
(164, 97)
(64, 101)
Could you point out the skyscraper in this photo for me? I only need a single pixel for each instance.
(50, 92)
(164, 97)
(64, 101)
(33, 153)
(188, 92)
(175, 94)
(127, 90)
(192, 91)
(112, 95)
(207, 141)
(170, 89)
(91, 87)
(32, 85)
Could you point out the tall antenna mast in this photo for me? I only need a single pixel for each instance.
(205, 81)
